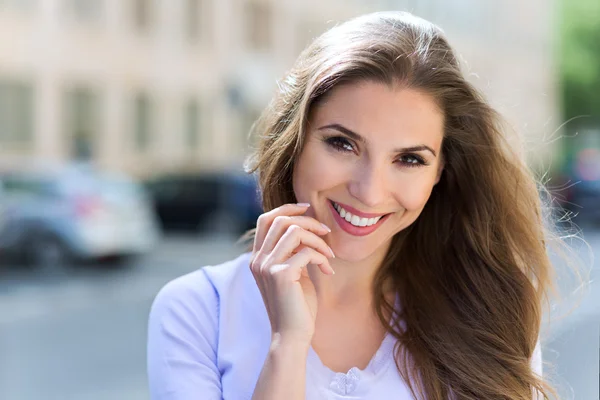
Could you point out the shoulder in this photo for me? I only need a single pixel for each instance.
(202, 287)
(185, 328)
(223, 275)
(536, 359)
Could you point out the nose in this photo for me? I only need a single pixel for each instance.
(369, 185)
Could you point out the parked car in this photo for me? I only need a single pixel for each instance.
(208, 202)
(579, 187)
(56, 215)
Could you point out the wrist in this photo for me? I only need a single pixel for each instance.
(288, 343)
(284, 372)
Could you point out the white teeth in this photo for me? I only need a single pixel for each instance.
(354, 219)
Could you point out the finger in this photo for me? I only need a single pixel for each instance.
(310, 256)
(294, 237)
(282, 224)
(265, 220)
(297, 263)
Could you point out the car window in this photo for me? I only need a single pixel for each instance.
(165, 188)
(119, 187)
(185, 188)
(206, 189)
(83, 183)
(28, 186)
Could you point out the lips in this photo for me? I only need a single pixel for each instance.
(354, 211)
(376, 220)
(354, 218)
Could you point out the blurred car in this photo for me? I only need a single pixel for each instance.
(226, 203)
(53, 216)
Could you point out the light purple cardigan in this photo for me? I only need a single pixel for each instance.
(209, 334)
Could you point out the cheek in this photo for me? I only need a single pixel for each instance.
(315, 170)
(414, 192)
(305, 177)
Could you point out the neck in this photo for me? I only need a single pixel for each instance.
(351, 285)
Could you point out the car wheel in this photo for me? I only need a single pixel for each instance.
(49, 255)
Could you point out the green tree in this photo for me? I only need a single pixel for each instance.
(580, 61)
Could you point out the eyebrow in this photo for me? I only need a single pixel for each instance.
(359, 138)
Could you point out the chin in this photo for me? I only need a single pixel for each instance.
(351, 251)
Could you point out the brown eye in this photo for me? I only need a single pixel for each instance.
(411, 160)
(340, 143)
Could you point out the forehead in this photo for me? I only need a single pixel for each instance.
(376, 110)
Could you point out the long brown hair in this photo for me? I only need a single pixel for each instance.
(474, 273)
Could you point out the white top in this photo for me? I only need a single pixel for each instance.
(209, 335)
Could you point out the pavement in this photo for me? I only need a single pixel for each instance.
(82, 336)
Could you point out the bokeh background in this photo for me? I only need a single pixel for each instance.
(124, 129)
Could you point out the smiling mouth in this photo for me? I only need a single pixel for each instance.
(355, 220)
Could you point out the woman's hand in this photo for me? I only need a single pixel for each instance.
(284, 244)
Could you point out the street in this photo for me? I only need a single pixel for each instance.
(82, 337)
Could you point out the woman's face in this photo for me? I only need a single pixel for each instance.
(371, 156)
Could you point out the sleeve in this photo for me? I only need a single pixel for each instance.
(182, 341)
(536, 359)
(536, 366)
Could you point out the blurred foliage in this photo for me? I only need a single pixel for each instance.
(580, 61)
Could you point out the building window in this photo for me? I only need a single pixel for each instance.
(18, 4)
(86, 10)
(192, 124)
(198, 20)
(82, 120)
(16, 112)
(142, 116)
(143, 12)
(192, 19)
(258, 17)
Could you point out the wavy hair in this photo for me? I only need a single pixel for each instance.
(475, 274)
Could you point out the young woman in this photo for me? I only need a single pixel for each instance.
(402, 252)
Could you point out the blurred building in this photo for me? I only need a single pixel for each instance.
(145, 86)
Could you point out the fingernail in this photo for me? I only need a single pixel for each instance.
(332, 271)
(326, 227)
(303, 204)
(332, 255)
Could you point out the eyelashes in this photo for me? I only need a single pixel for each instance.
(343, 145)
(339, 143)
